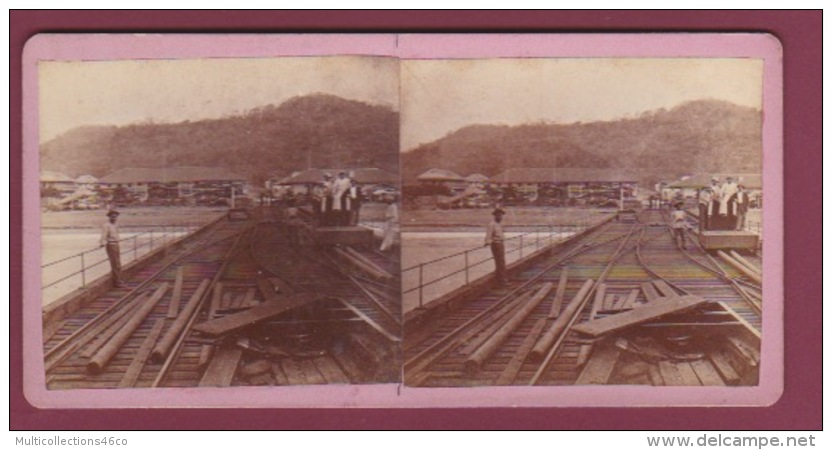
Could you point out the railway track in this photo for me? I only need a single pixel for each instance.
(143, 335)
(522, 334)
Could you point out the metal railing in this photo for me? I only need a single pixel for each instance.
(130, 249)
(525, 244)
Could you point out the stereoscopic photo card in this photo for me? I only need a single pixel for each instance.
(403, 220)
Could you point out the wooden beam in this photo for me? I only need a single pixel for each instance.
(330, 370)
(649, 292)
(740, 267)
(259, 313)
(102, 357)
(600, 293)
(223, 366)
(135, 369)
(599, 368)
(548, 339)
(516, 363)
(746, 262)
(173, 307)
(687, 374)
(609, 302)
(665, 288)
(557, 303)
(652, 311)
(475, 361)
(164, 345)
(723, 366)
(706, 372)
(630, 301)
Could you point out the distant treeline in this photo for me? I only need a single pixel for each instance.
(321, 131)
(703, 136)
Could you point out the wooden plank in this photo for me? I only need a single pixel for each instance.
(223, 366)
(649, 292)
(135, 369)
(104, 337)
(723, 366)
(279, 377)
(599, 368)
(330, 370)
(267, 290)
(216, 300)
(583, 355)
(655, 375)
(665, 288)
(609, 302)
(557, 303)
(670, 374)
(669, 306)
(280, 287)
(310, 370)
(516, 363)
(687, 374)
(227, 300)
(50, 329)
(173, 306)
(630, 301)
(706, 373)
(248, 299)
(293, 372)
(600, 292)
(259, 313)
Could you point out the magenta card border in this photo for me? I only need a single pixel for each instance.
(437, 415)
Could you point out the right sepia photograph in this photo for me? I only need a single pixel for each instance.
(581, 221)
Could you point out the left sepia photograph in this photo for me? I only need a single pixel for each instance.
(219, 222)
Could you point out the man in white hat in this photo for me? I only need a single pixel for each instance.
(340, 188)
(494, 237)
(109, 240)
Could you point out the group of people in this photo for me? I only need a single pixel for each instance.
(723, 205)
(336, 202)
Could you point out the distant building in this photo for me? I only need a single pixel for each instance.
(56, 184)
(174, 185)
(566, 186)
(477, 180)
(442, 177)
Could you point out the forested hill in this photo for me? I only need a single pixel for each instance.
(319, 129)
(699, 136)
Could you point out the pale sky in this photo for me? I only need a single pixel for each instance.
(72, 94)
(440, 96)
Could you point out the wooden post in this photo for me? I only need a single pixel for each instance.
(163, 347)
(114, 344)
(548, 339)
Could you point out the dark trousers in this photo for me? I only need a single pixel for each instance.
(679, 237)
(498, 250)
(704, 220)
(114, 255)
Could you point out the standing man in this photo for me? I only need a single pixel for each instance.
(391, 216)
(740, 206)
(705, 209)
(728, 191)
(340, 189)
(716, 199)
(678, 222)
(494, 237)
(326, 202)
(354, 202)
(109, 240)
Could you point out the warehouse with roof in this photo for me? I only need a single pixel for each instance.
(566, 186)
(207, 186)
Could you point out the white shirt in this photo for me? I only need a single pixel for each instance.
(109, 233)
(494, 232)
